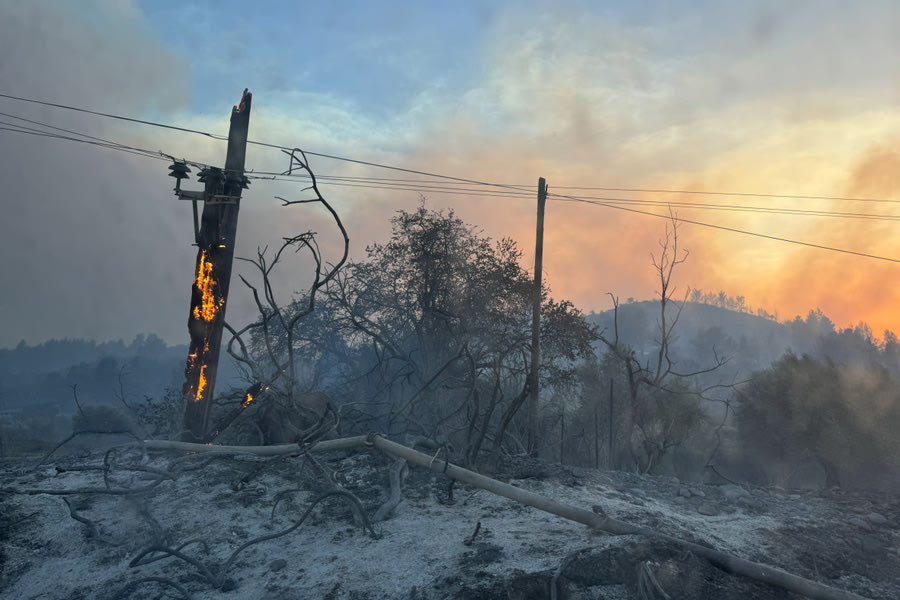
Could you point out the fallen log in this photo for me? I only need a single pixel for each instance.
(727, 562)
(348, 443)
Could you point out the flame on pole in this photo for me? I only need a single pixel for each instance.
(212, 274)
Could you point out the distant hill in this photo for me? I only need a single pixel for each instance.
(751, 342)
(40, 378)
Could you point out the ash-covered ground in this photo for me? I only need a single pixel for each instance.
(206, 508)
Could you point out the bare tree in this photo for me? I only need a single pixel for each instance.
(273, 371)
(657, 429)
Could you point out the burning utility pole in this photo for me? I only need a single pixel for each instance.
(215, 238)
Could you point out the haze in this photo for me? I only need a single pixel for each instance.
(796, 98)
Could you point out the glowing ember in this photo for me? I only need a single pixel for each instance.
(209, 304)
(201, 385)
(244, 98)
(247, 400)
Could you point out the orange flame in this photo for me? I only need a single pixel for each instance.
(247, 401)
(243, 104)
(209, 304)
(201, 385)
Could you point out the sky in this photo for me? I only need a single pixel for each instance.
(796, 98)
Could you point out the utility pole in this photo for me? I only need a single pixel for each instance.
(610, 437)
(534, 380)
(597, 435)
(215, 238)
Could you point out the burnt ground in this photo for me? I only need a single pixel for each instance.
(425, 549)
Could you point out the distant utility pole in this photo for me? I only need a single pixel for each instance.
(215, 237)
(534, 379)
(609, 442)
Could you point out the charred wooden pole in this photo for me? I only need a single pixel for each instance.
(534, 375)
(215, 255)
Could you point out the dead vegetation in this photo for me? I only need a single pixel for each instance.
(136, 519)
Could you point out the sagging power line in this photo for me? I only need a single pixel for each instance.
(449, 177)
(450, 184)
(731, 229)
(427, 186)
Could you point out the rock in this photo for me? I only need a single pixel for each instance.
(733, 492)
(637, 492)
(877, 519)
(684, 492)
(697, 492)
(277, 565)
(708, 510)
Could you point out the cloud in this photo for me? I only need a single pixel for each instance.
(765, 96)
(581, 99)
(88, 235)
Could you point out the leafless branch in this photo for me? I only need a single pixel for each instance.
(75, 397)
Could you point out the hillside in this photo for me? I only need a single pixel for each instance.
(36, 383)
(749, 342)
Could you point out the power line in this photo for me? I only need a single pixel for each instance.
(329, 180)
(376, 183)
(111, 116)
(257, 143)
(452, 192)
(447, 177)
(45, 125)
(87, 139)
(112, 146)
(712, 193)
(731, 229)
(524, 188)
(399, 185)
(608, 202)
(752, 209)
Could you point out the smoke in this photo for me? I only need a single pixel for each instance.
(757, 107)
(88, 235)
(763, 96)
(770, 100)
(849, 288)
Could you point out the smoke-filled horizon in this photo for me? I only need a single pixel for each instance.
(760, 97)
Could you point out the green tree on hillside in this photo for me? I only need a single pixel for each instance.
(841, 417)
